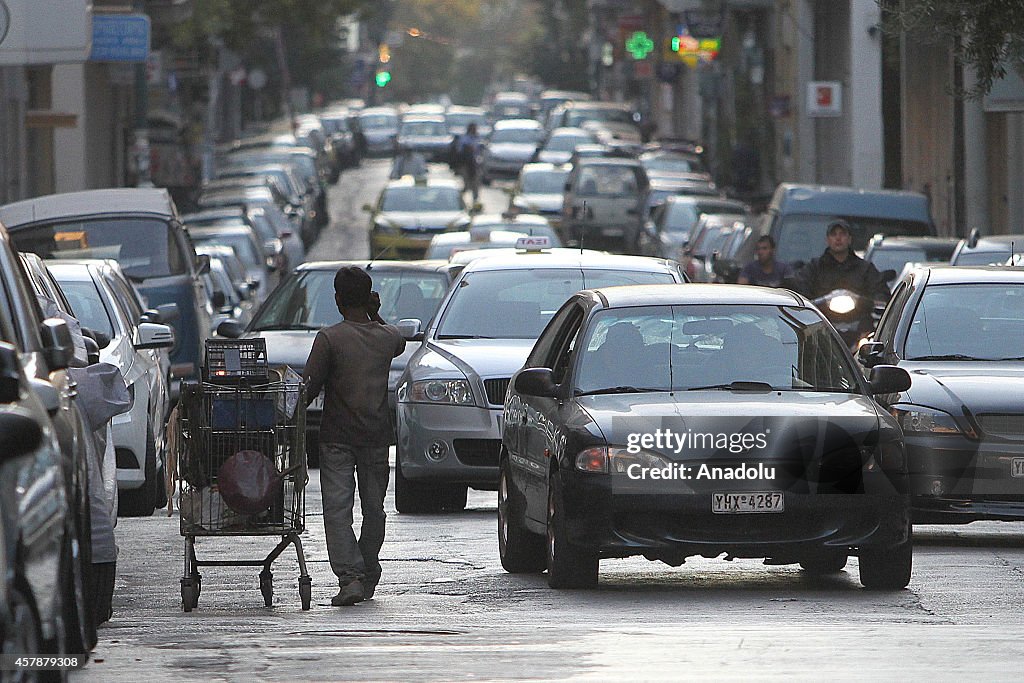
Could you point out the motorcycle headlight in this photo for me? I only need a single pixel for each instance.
(450, 391)
(918, 420)
(842, 304)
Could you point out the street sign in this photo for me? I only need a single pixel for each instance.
(1007, 93)
(120, 38)
(824, 98)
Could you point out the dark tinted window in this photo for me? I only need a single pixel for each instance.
(144, 248)
(979, 321)
(802, 237)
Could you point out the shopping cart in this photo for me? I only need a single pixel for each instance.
(241, 407)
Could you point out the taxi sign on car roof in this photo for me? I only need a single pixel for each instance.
(534, 243)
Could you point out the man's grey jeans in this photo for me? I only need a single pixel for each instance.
(341, 466)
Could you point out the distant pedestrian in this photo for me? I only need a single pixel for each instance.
(350, 362)
(467, 160)
(764, 271)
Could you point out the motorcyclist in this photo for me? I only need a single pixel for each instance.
(840, 268)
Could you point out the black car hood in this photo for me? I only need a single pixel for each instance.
(980, 387)
(785, 418)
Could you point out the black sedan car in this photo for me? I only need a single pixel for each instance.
(958, 332)
(671, 421)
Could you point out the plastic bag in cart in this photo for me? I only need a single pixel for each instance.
(248, 482)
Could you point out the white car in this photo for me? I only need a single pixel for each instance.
(103, 301)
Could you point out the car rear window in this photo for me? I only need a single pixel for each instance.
(87, 305)
(144, 247)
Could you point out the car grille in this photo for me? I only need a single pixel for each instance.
(1005, 426)
(478, 452)
(496, 389)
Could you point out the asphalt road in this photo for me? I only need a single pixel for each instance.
(445, 609)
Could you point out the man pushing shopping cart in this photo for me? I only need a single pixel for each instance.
(350, 362)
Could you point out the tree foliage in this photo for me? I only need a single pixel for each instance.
(245, 27)
(986, 35)
(554, 51)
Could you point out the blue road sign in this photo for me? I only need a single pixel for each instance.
(120, 38)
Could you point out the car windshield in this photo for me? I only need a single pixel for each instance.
(671, 164)
(985, 257)
(144, 247)
(544, 182)
(378, 121)
(463, 120)
(305, 300)
(895, 259)
(580, 116)
(516, 135)
(424, 128)
(802, 237)
(517, 304)
(87, 305)
(680, 348)
(968, 321)
(242, 244)
(421, 199)
(566, 143)
(597, 180)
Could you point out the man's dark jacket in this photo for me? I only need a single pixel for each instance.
(825, 273)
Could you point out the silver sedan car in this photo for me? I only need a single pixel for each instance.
(451, 395)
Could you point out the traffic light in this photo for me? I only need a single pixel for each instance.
(384, 53)
(382, 78)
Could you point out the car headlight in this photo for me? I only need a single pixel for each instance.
(919, 420)
(450, 391)
(604, 459)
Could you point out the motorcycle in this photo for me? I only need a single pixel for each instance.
(854, 316)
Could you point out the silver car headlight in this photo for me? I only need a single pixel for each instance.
(448, 391)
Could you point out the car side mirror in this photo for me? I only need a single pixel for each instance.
(536, 382)
(92, 350)
(888, 379)
(411, 329)
(155, 336)
(20, 433)
(230, 328)
(202, 264)
(870, 354)
(58, 347)
(10, 378)
(888, 275)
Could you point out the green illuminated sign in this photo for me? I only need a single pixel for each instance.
(639, 45)
(382, 78)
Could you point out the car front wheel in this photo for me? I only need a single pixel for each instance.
(887, 568)
(568, 566)
(521, 551)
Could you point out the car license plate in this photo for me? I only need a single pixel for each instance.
(318, 403)
(747, 502)
(1017, 467)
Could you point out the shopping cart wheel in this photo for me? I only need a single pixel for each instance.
(189, 596)
(305, 591)
(267, 586)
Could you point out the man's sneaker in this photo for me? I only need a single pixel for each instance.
(350, 594)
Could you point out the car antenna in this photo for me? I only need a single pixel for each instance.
(379, 254)
(583, 231)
